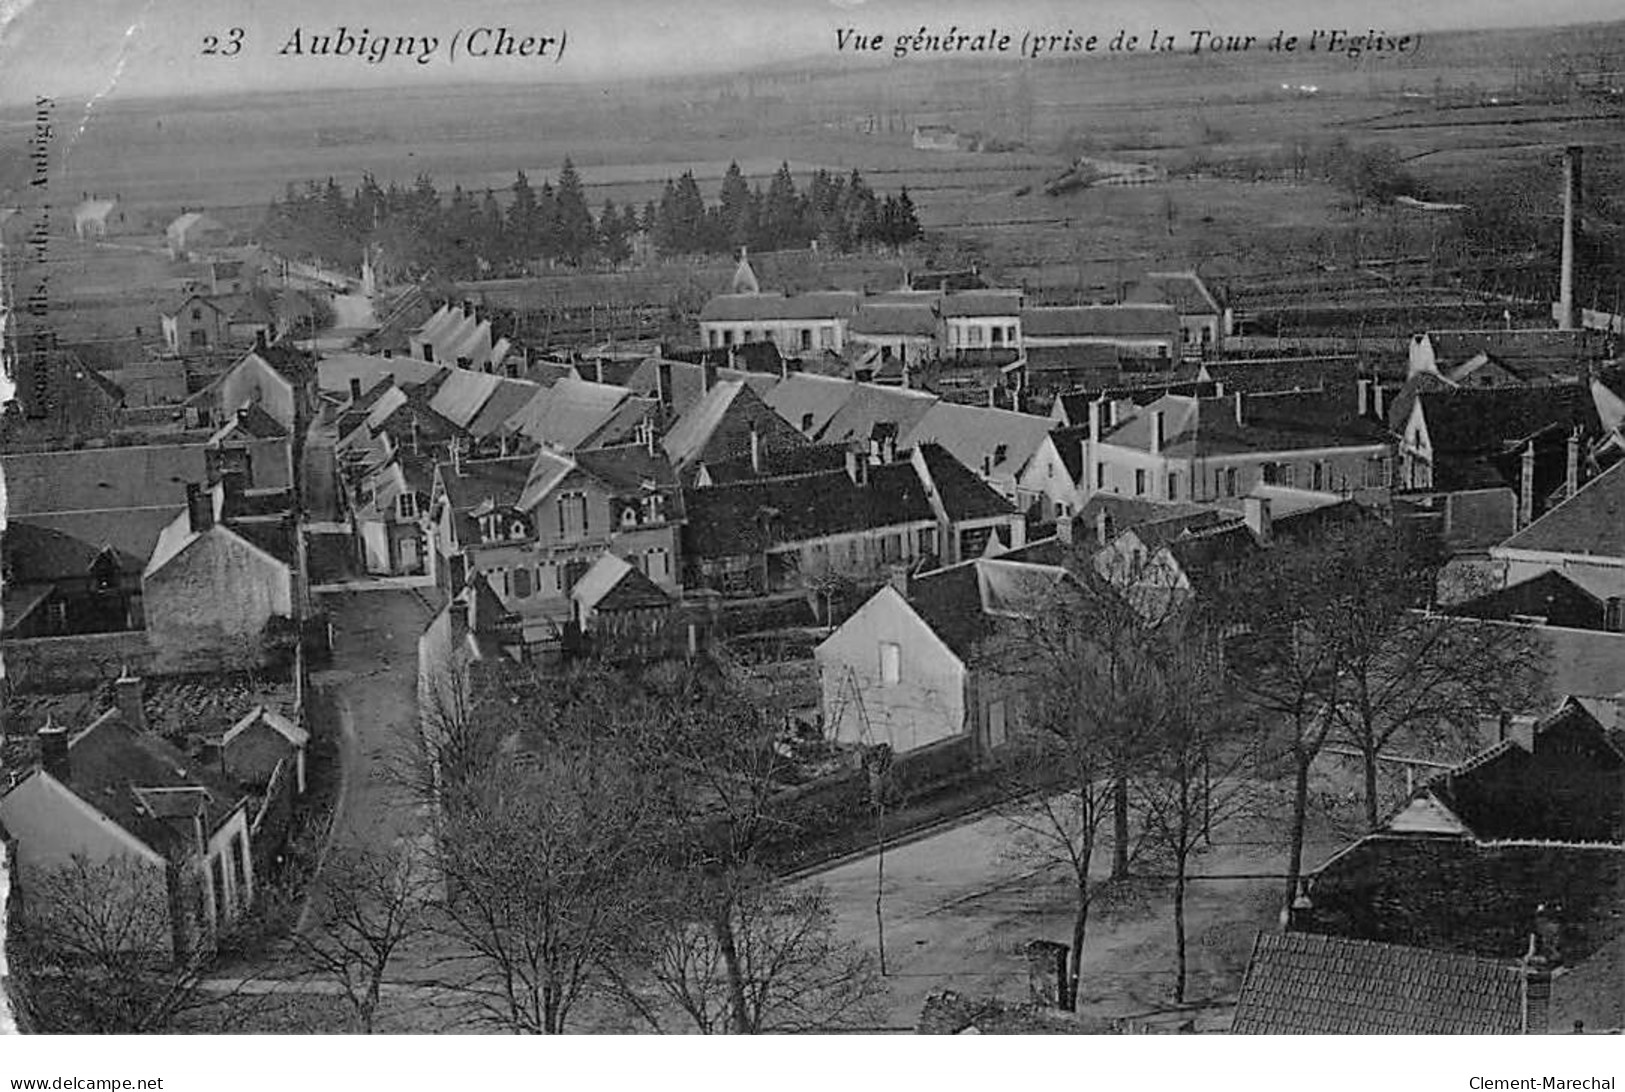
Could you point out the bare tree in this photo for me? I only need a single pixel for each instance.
(1200, 772)
(1407, 673)
(545, 865)
(371, 905)
(793, 973)
(1080, 670)
(95, 951)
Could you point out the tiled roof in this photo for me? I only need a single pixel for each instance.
(868, 405)
(1454, 346)
(109, 762)
(102, 478)
(809, 402)
(991, 303)
(627, 466)
(1003, 440)
(1262, 376)
(1494, 419)
(750, 516)
(55, 546)
(506, 400)
(1106, 320)
(896, 320)
(1590, 523)
(963, 495)
(250, 422)
(567, 413)
(686, 441)
(612, 583)
(1183, 290)
(1069, 445)
(773, 307)
(463, 394)
(1551, 596)
(964, 603)
(1284, 422)
(1306, 984)
(780, 463)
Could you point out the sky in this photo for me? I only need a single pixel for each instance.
(91, 50)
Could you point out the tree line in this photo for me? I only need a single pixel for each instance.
(409, 231)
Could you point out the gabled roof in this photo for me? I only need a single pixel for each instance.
(251, 422)
(1307, 984)
(1293, 374)
(506, 400)
(628, 466)
(1183, 290)
(687, 381)
(1532, 344)
(748, 517)
(1550, 596)
(498, 482)
(102, 479)
(114, 768)
(1102, 320)
(567, 413)
(963, 604)
(463, 394)
(868, 405)
(1495, 419)
(1001, 440)
(1283, 422)
(808, 402)
(963, 495)
(686, 440)
(1069, 445)
(287, 729)
(1590, 523)
(615, 584)
(38, 552)
(779, 463)
(547, 470)
(333, 373)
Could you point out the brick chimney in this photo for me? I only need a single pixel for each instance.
(755, 450)
(1158, 429)
(1567, 309)
(1572, 478)
(355, 389)
(1241, 410)
(53, 749)
(897, 575)
(199, 507)
(128, 692)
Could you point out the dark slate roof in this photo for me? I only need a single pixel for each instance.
(633, 591)
(102, 478)
(1183, 290)
(627, 466)
(1570, 788)
(1454, 346)
(1260, 376)
(1281, 422)
(1551, 596)
(950, 602)
(109, 762)
(1069, 444)
(276, 537)
(1107, 320)
(1305, 984)
(895, 319)
(501, 481)
(1592, 522)
(946, 280)
(749, 356)
(750, 516)
(964, 495)
(780, 463)
(36, 554)
(1485, 420)
(980, 304)
(253, 422)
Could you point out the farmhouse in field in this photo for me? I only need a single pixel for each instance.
(936, 138)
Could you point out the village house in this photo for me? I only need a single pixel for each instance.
(460, 335)
(213, 584)
(620, 614)
(115, 805)
(988, 319)
(1000, 445)
(763, 535)
(1203, 320)
(533, 526)
(730, 421)
(903, 326)
(1583, 538)
(1140, 330)
(80, 527)
(1202, 449)
(804, 323)
(279, 379)
(906, 669)
(935, 138)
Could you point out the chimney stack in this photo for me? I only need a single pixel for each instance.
(755, 451)
(1567, 316)
(857, 467)
(663, 382)
(53, 749)
(128, 691)
(1363, 386)
(458, 612)
(1241, 415)
(457, 456)
(1572, 480)
(355, 390)
(1526, 487)
(1255, 512)
(898, 577)
(199, 507)
(1103, 527)
(1158, 424)
(259, 340)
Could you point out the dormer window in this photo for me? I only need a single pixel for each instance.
(629, 516)
(407, 505)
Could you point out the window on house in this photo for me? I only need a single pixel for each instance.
(926, 541)
(407, 504)
(727, 338)
(197, 314)
(198, 338)
(998, 335)
(1272, 473)
(573, 515)
(1376, 473)
(521, 584)
(806, 422)
(428, 352)
(1173, 487)
(806, 337)
(974, 335)
(1230, 482)
(1010, 334)
(997, 731)
(1139, 483)
(826, 337)
(217, 876)
(1100, 475)
(891, 663)
(1319, 476)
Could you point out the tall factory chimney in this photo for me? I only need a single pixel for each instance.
(1567, 314)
